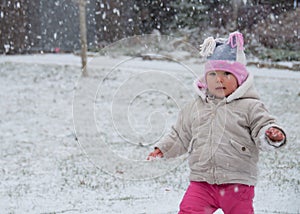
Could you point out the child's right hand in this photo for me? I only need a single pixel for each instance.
(155, 154)
(275, 134)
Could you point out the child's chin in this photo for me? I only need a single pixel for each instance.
(218, 95)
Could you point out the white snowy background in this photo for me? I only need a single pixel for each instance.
(43, 169)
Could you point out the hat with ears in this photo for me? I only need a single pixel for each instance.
(225, 55)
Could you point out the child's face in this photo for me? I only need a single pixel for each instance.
(221, 83)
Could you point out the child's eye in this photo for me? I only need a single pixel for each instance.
(212, 73)
(227, 73)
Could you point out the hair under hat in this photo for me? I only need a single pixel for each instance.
(226, 55)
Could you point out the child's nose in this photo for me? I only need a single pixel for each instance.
(219, 78)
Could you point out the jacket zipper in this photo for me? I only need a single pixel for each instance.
(211, 145)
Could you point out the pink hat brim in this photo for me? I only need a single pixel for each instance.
(237, 69)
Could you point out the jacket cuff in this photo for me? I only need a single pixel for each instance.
(268, 144)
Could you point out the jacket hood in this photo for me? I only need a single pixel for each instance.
(246, 90)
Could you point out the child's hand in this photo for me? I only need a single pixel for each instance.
(275, 134)
(156, 153)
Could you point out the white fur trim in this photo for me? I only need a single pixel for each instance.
(264, 144)
(201, 93)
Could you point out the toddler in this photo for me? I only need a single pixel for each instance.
(222, 130)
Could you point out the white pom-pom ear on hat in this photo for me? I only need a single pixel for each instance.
(208, 47)
(236, 40)
(240, 57)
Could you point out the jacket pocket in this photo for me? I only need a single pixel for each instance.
(240, 148)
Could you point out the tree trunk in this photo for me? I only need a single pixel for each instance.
(295, 4)
(83, 36)
(236, 4)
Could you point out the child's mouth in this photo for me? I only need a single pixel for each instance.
(220, 88)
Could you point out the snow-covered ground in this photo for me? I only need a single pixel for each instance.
(43, 168)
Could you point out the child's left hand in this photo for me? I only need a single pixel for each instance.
(275, 134)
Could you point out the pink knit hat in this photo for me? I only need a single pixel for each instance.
(226, 55)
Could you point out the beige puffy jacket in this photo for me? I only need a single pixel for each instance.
(222, 136)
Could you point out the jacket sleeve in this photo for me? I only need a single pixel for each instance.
(260, 121)
(177, 141)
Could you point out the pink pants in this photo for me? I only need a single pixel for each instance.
(205, 198)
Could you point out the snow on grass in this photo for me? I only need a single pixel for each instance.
(44, 170)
